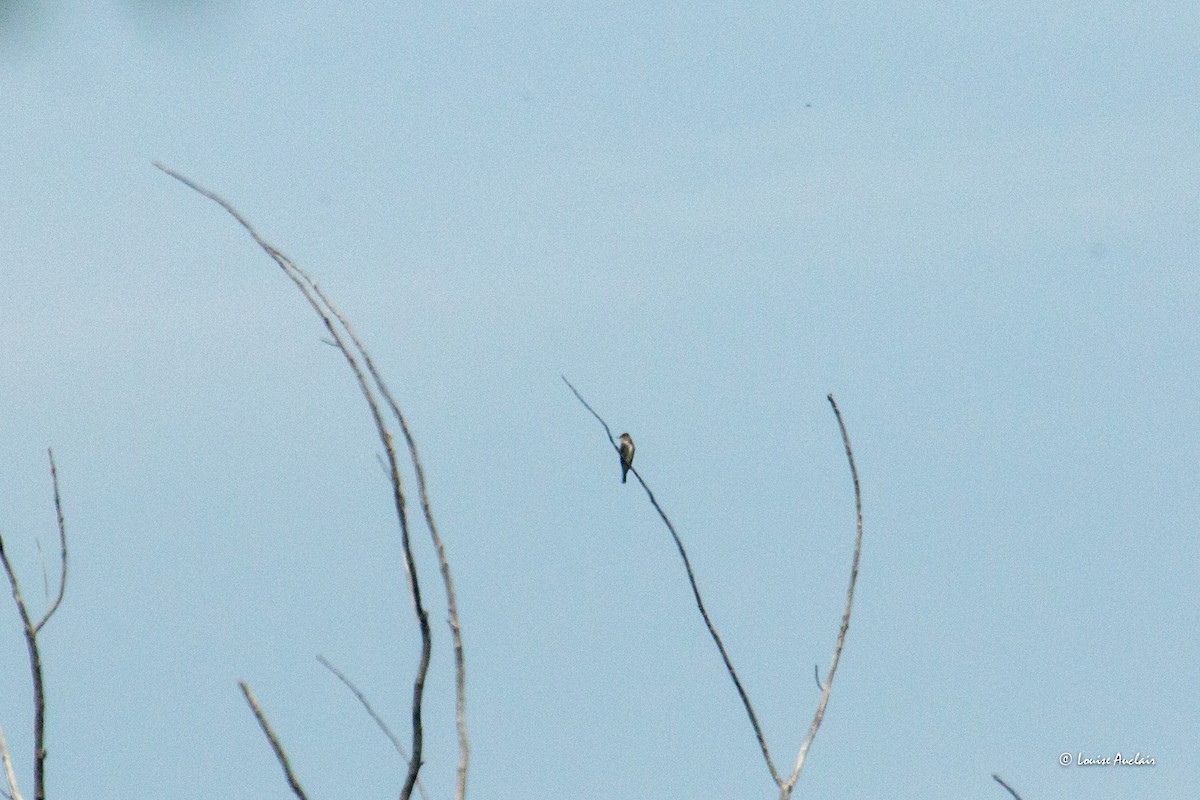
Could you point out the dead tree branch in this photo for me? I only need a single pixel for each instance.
(297, 789)
(31, 630)
(62, 541)
(687, 564)
(785, 788)
(361, 365)
(460, 667)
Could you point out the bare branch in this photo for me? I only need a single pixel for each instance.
(62, 540)
(274, 740)
(328, 313)
(31, 642)
(1011, 790)
(35, 669)
(599, 418)
(366, 704)
(785, 788)
(45, 575)
(460, 669)
(13, 792)
(687, 564)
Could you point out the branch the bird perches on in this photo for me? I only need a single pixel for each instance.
(786, 785)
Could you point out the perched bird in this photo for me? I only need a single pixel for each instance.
(626, 450)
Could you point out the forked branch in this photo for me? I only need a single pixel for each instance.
(786, 786)
(31, 630)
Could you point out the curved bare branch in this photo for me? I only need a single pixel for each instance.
(687, 565)
(332, 319)
(460, 666)
(785, 788)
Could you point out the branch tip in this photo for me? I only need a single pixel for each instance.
(280, 755)
(687, 564)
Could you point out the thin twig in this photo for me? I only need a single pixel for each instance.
(13, 792)
(1011, 790)
(817, 678)
(366, 704)
(599, 418)
(274, 740)
(62, 540)
(327, 313)
(45, 574)
(687, 564)
(785, 789)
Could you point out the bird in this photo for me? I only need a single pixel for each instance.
(626, 450)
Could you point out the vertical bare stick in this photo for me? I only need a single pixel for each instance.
(460, 666)
(31, 630)
(312, 294)
(274, 740)
(687, 564)
(62, 540)
(785, 789)
(1011, 790)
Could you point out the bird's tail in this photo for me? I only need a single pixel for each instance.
(624, 476)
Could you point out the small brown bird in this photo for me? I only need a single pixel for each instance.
(626, 449)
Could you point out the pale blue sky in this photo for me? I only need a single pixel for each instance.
(975, 224)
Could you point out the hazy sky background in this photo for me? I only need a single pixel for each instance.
(974, 224)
